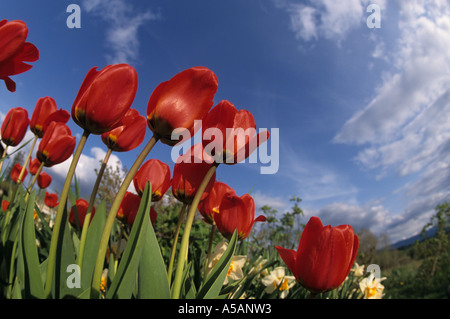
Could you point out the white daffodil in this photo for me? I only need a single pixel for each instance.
(371, 287)
(277, 279)
(358, 270)
(237, 263)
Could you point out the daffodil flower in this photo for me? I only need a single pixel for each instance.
(277, 279)
(371, 287)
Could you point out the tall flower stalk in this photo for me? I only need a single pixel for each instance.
(182, 256)
(96, 279)
(87, 218)
(60, 212)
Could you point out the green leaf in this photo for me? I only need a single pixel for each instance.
(213, 284)
(33, 286)
(124, 281)
(92, 242)
(152, 274)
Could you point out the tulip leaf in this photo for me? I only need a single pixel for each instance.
(33, 286)
(124, 281)
(93, 237)
(152, 274)
(214, 282)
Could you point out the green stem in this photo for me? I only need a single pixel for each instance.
(59, 214)
(87, 218)
(211, 236)
(3, 157)
(33, 181)
(22, 172)
(175, 242)
(97, 276)
(182, 255)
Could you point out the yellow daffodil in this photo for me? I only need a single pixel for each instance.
(237, 263)
(358, 270)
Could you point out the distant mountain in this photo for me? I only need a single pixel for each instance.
(411, 240)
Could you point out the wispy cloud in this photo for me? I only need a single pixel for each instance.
(123, 22)
(327, 19)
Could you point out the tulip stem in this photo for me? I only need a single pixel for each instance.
(87, 218)
(24, 168)
(187, 229)
(3, 157)
(60, 212)
(208, 255)
(175, 242)
(33, 181)
(96, 279)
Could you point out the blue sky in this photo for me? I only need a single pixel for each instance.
(362, 112)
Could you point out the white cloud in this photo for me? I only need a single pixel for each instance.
(85, 170)
(329, 19)
(123, 25)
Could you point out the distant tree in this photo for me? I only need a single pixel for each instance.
(367, 246)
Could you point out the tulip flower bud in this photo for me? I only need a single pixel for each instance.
(236, 213)
(80, 207)
(324, 256)
(44, 180)
(128, 135)
(14, 126)
(51, 199)
(177, 103)
(57, 144)
(44, 113)
(104, 97)
(155, 172)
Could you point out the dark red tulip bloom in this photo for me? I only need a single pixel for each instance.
(130, 207)
(128, 135)
(229, 135)
(34, 165)
(324, 256)
(44, 180)
(44, 113)
(177, 103)
(188, 174)
(104, 97)
(236, 213)
(15, 126)
(80, 207)
(57, 144)
(155, 172)
(209, 206)
(51, 199)
(15, 172)
(14, 51)
(5, 205)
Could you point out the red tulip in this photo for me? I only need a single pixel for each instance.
(14, 51)
(130, 205)
(15, 172)
(44, 180)
(128, 135)
(44, 113)
(104, 97)
(324, 256)
(15, 126)
(155, 172)
(57, 144)
(177, 103)
(188, 174)
(129, 209)
(80, 207)
(51, 199)
(235, 133)
(5, 205)
(34, 165)
(209, 206)
(236, 213)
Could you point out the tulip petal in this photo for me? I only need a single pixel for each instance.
(289, 257)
